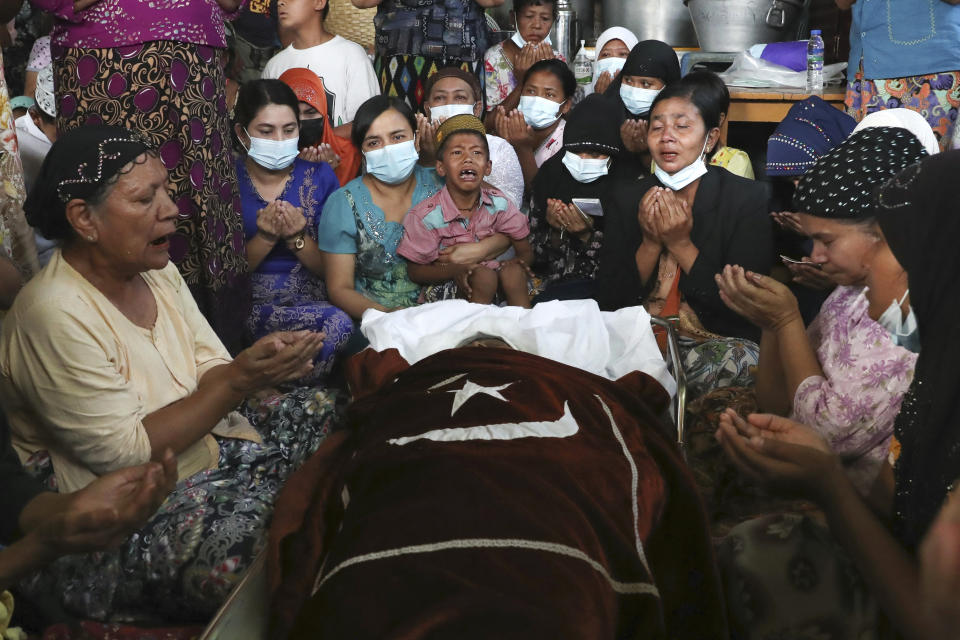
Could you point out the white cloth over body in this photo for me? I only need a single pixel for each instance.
(571, 332)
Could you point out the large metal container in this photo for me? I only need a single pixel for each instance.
(566, 32)
(736, 25)
(666, 20)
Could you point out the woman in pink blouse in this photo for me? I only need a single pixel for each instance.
(156, 67)
(846, 373)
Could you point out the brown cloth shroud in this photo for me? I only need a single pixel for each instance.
(532, 537)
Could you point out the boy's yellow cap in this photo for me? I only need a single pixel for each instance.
(458, 124)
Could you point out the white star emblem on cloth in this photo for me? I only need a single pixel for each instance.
(470, 389)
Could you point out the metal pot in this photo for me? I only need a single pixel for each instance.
(736, 25)
(666, 20)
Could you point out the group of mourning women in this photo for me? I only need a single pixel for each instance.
(632, 198)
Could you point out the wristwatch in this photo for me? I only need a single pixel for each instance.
(298, 242)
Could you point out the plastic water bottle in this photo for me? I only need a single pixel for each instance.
(583, 66)
(815, 62)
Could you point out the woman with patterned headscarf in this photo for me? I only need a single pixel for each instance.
(846, 374)
(915, 212)
(107, 362)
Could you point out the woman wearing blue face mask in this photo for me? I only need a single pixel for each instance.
(670, 233)
(535, 129)
(650, 66)
(362, 223)
(566, 242)
(282, 196)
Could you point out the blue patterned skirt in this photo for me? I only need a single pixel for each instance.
(180, 567)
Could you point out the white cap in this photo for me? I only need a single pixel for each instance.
(46, 100)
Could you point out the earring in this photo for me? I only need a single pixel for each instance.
(90, 238)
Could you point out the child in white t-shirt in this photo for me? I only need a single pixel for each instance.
(343, 65)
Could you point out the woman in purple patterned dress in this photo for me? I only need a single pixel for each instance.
(846, 374)
(156, 67)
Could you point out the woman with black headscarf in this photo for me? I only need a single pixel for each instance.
(566, 238)
(915, 210)
(107, 362)
(650, 66)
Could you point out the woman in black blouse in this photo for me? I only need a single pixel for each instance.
(668, 234)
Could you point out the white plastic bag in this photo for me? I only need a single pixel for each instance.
(747, 71)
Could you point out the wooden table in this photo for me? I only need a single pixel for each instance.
(770, 104)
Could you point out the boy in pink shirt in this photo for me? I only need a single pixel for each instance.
(466, 210)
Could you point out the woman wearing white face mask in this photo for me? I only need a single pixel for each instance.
(613, 47)
(845, 375)
(670, 233)
(650, 66)
(505, 64)
(452, 91)
(281, 197)
(535, 129)
(362, 223)
(566, 242)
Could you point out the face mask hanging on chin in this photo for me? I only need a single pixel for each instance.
(518, 39)
(685, 176)
(902, 330)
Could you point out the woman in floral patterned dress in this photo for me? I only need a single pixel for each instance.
(847, 373)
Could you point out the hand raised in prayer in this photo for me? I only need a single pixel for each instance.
(105, 512)
(788, 221)
(514, 129)
(529, 55)
(279, 357)
(322, 152)
(760, 299)
(634, 135)
(291, 219)
(671, 214)
(268, 221)
(809, 276)
(780, 453)
(603, 81)
(646, 217)
(426, 138)
(566, 217)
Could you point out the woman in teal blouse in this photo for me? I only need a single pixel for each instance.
(362, 223)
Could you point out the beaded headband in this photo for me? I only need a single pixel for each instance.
(106, 159)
